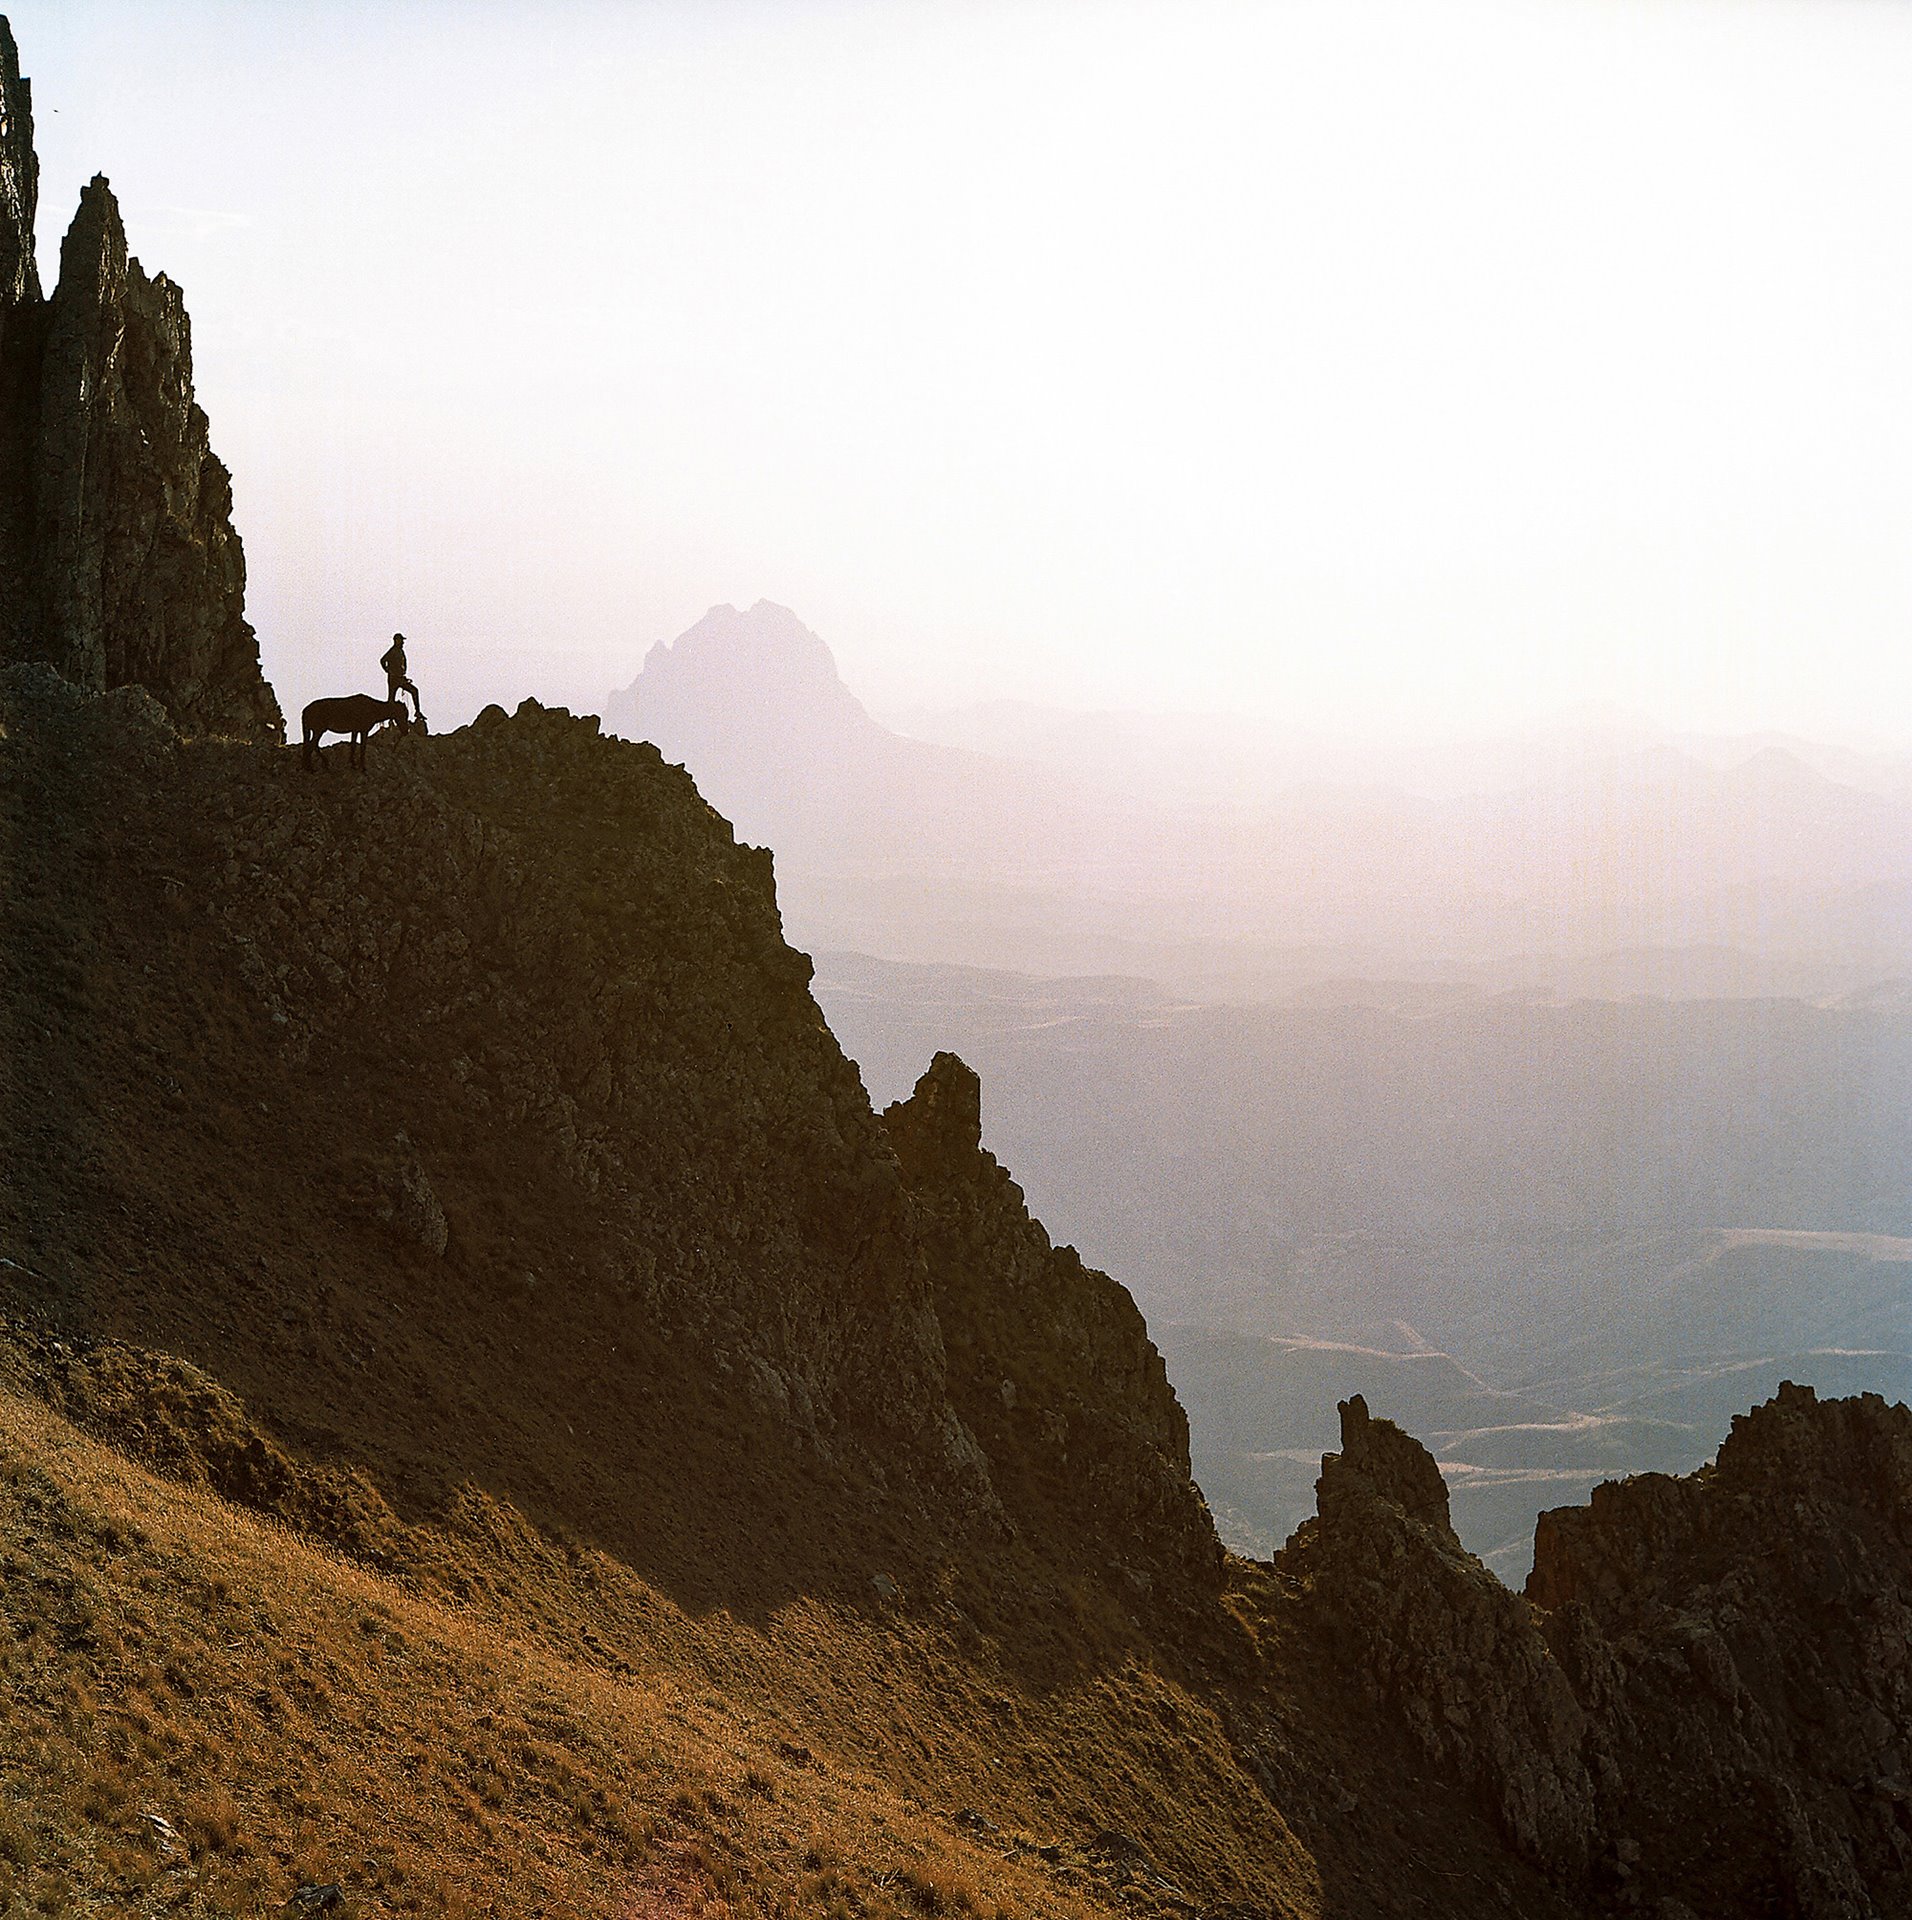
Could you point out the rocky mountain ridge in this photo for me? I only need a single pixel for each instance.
(1701, 1704)
(119, 563)
(465, 1162)
(685, 1490)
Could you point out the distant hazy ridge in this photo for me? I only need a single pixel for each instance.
(1606, 861)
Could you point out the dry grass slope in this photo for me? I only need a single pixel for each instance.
(207, 1712)
(496, 1424)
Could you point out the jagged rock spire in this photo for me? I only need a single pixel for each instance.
(19, 179)
(93, 254)
(942, 1120)
(119, 563)
(79, 373)
(1391, 1463)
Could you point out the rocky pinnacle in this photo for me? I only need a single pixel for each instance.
(19, 179)
(119, 562)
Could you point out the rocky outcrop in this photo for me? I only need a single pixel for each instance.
(603, 966)
(142, 580)
(1701, 1704)
(121, 563)
(19, 180)
(1742, 1638)
(578, 979)
(1050, 1365)
(408, 1203)
(1442, 1641)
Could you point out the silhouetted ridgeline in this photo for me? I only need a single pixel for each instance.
(118, 560)
(729, 1499)
(467, 1132)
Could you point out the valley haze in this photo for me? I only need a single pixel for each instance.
(1584, 1117)
(1358, 366)
(528, 1383)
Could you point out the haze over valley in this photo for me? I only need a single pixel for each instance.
(1205, 1213)
(1562, 1114)
(1583, 862)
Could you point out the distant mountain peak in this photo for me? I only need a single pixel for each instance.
(757, 672)
(1777, 769)
(767, 642)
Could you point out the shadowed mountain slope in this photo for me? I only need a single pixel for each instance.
(491, 1420)
(390, 997)
(450, 1163)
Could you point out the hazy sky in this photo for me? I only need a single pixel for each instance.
(1352, 360)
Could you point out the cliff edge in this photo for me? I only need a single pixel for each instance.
(491, 1419)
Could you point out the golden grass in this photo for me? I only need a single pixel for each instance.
(207, 1712)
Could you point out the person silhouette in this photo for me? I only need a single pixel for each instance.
(393, 662)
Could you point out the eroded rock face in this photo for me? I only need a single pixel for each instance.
(1443, 1641)
(19, 179)
(121, 566)
(409, 1204)
(1742, 1637)
(1702, 1704)
(583, 937)
(1049, 1362)
(20, 314)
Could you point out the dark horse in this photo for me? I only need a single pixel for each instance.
(356, 714)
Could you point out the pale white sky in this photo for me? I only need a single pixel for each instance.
(1354, 360)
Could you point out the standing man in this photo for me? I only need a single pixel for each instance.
(393, 661)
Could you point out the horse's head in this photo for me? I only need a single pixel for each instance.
(400, 714)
